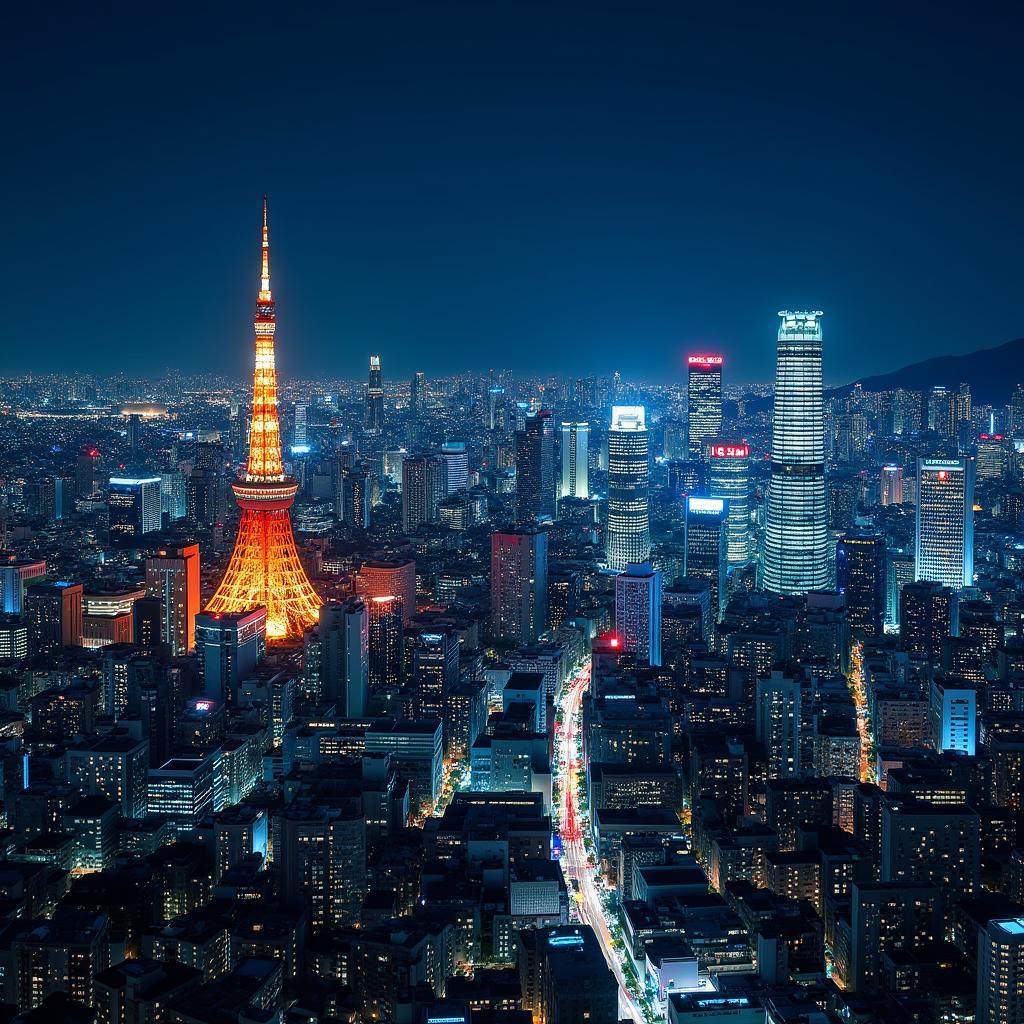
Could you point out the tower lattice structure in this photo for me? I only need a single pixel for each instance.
(265, 567)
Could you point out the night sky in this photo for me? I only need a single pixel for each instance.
(554, 187)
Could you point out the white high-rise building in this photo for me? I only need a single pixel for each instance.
(729, 478)
(638, 612)
(1001, 971)
(457, 462)
(575, 481)
(944, 540)
(796, 546)
(628, 534)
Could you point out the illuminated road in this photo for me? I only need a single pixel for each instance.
(573, 827)
(860, 701)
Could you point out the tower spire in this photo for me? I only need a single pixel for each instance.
(265, 275)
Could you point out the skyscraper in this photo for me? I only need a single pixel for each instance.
(892, 484)
(944, 538)
(423, 488)
(796, 556)
(927, 613)
(229, 645)
(134, 504)
(628, 533)
(265, 568)
(706, 553)
(535, 469)
(638, 612)
(704, 398)
(87, 471)
(456, 465)
(861, 563)
(418, 394)
(374, 419)
(343, 645)
(778, 700)
(729, 478)
(519, 584)
(14, 574)
(575, 482)
(172, 575)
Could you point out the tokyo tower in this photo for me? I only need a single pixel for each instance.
(265, 567)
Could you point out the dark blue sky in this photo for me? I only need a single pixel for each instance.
(573, 187)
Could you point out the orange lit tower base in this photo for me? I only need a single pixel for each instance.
(265, 567)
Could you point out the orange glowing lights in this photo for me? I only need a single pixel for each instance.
(265, 567)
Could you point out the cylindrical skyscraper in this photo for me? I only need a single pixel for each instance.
(628, 535)
(796, 550)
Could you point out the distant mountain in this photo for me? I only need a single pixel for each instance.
(992, 373)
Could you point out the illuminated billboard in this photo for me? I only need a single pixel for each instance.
(705, 361)
(730, 451)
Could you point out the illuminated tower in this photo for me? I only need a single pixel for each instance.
(796, 549)
(265, 568)
(704, 399)
(628, 534)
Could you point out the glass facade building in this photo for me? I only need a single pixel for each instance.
(628, 534)
(796, 546)
(729, 478)
(944, 536)
(704, 401)
(575, 461)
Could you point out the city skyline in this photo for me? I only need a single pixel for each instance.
(604, 195)
(546, 614)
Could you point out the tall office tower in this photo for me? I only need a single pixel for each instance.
(942, 411)
(229, 646)
(172, 575)
(456, 465)
(628, 533)
(374, 419)
(15, 573)
(777, 710)
(707, 547)
(423, 487)
(861, 564)
(203, 497)
(686, 476)
(535, 469)
(1000, 998)
(892, 484)
(962, 406)
(87, 472)
(927, 617)
(496, 408)
(353, 501)
(53, 611)
(638, 612)
(13, 638)
(390, 578)
(729, 478)
(944, 538)
(342, 637)
(796, 549)
(384, 643)
(953, 711)
(993, 456)
(704, 400)
(300, 433)
(418, 393)
(675, 440)
(173, 497)
(265, 568)
(575, 481)
(435, 671)
(519, 584)
(134, 504)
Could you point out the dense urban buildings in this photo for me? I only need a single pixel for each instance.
(454, 717)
